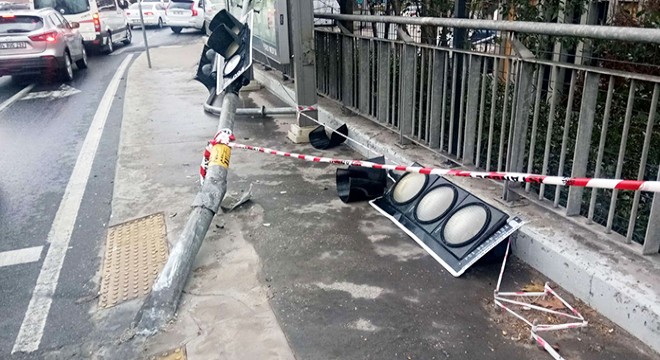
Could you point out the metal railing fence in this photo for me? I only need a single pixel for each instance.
(509, 110)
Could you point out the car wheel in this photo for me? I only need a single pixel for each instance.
(67, 69)
(129, 36)
(160, 23)
(176, 29)
(110, 47)
(82, 63)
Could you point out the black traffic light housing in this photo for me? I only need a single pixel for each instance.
(232, 39)
(454, 226)
(206, 73)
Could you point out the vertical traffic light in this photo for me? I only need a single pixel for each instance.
(206, 72)
(232, 40)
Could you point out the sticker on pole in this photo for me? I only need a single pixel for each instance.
(220, 155)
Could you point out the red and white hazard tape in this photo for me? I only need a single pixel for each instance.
(505, 297)
(223, 136)
(651, 186)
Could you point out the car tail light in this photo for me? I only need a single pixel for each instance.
(48, 36)
(194, 11)
(128, 13)
(148, 13)
(97, 22)
(8, 16)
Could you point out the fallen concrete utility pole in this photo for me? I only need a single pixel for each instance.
(161, 304)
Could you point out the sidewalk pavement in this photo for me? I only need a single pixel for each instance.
(296, 273)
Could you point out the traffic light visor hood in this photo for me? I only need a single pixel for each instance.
(225, 18)
(224, 42)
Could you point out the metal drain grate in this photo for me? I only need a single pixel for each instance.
(135, 252)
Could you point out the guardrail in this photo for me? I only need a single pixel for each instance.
(503, 108)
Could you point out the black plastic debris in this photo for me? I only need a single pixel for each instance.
(360, 183)
(320, 140)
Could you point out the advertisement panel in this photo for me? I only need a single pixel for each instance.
(271, 28)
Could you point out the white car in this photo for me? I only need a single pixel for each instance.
(185, 14)
(152, 12)
(102, 22)
(39, 42)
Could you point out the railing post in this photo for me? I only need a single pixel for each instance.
(472, 106)
(524, 93)
(333, 71)
(437, 93)
(583, 141)
(652, 240)
(407, 70)
(383, 81)
(364, 80)
(347, 70)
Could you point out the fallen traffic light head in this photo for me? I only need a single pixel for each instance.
(454, 226)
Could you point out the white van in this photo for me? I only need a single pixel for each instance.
(102, 22)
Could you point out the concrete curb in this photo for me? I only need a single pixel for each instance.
(606, 275)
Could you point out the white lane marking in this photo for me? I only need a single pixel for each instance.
(16, 97)
(32, 328)
(63, 91)
(20, 256)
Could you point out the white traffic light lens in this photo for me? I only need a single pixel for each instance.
(408, 187)
(232, 65)
(465, 224)
(435, 204)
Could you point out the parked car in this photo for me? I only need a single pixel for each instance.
(212, 8)
(185, 14)
(6, 6)
(102, 22)
(40, 42)
(152, 12)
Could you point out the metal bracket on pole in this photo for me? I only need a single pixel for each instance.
(260, 111)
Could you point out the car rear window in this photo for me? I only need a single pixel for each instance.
(180, 5)
(65, 7)
(145, 6)
(20, 24)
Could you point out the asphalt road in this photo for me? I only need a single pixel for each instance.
(41, 137)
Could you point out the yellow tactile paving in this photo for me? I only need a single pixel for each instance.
(135, 252)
